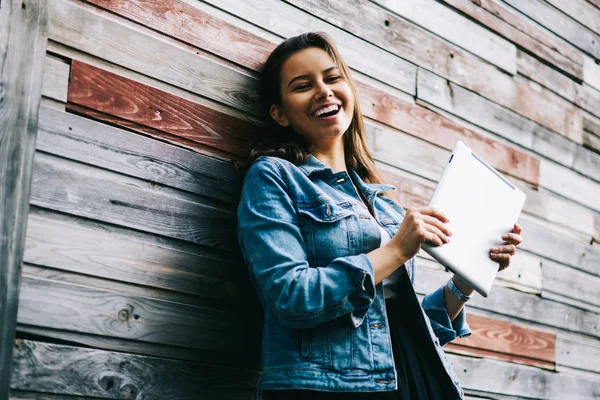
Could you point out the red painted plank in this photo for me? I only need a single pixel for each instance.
(508, 342)
(192, 25)
(156, 110)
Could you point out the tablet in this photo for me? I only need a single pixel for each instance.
(482, 206)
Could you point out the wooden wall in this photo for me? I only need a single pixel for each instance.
(133, 287)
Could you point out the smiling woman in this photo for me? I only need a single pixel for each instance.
(331, 253)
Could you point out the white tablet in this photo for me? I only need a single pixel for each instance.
(482, 206)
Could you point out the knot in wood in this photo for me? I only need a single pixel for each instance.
(123, 315)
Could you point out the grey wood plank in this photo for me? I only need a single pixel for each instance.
(591, 69)
(23, 37)
(581, 11)
(86, 191)
(84, 29)
(560, 24)
(58, 369)
(77, 308)
(56, 79)
(517, 306)
(573, 283)
(493, 376)
(285, 21)
(575, 352)
(457, 29)
(104, 251)
(98, 144)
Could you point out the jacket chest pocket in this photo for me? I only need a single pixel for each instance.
(329, 231)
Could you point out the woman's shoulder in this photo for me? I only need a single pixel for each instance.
(271, 165)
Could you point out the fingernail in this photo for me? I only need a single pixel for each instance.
(495, 249)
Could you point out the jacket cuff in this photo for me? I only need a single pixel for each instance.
(445, 329)
(362, 300)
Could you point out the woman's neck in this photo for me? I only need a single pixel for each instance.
(334, 157)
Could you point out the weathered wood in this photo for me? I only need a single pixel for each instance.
(111, 94)
(120, 255)
(576, 352)
(76, 371)
(543, 45)
(87, 141)
(568, 183)
(23, 37)
(78, 308)
(85, 29)
(86, 191)
(581, 11)
(448, 61)
(520, 307)
(456, 29)
(422, 123)
(493, 376)
(591, 72)
(560, 24)
(56, 79)
(569, 282)
(507, 342)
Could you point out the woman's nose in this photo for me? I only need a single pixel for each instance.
(323, 91)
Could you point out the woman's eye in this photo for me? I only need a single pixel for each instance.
(301, 87)
(334, 78)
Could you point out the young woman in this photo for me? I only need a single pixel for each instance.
(330, 252)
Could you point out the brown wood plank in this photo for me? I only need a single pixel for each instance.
(59, 369)
(132, 101)
(420, 122)
(194, 26)
(508, 342)
(23, 38)
(543, 45)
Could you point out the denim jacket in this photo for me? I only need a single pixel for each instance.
(304, 234)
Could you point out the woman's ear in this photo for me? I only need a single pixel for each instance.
(279, 115)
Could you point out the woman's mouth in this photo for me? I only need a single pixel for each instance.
(327, 113)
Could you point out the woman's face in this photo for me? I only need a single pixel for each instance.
(317, 101)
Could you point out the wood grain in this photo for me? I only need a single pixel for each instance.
(56, 79)
(51, 368)
(542, 45)
(508, 342)
(90, 142)
(111, 94)
(86, 191)
(23, 37)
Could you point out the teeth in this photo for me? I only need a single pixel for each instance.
(326, 110)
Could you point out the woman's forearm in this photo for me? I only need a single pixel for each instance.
(385, 260)
(453, 304)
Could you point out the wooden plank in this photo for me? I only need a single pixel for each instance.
(117, 150)
(492, 376)
(111, 94)
(570, 184)
(506, 341)
(581, 11)
(120, 255)
(56, 79)
(82, 190)
(59, 369)
(595, 3)
(520, 308)
(78, 308)
(543, 45)
(570, 282)
(456, 29)
(591, 72)
(385, 107)
(83, 28)
(560, 24)
(576, 352)
(450, 62)
(23, 37)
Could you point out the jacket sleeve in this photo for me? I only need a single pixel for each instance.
(273, 247)
(444, 329)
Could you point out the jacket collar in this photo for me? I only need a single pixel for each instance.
(314, 165)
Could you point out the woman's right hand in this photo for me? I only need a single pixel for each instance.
(421, 224)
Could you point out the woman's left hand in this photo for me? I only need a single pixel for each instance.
(502, 254)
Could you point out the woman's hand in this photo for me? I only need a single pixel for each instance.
(421, 224)
(502, 254)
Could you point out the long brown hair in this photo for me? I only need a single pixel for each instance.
(284, 142)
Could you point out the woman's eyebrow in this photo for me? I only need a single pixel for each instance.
(306, 76)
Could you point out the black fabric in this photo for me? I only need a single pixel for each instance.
(421, 374)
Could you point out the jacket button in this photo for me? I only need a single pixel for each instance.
(327, 210)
